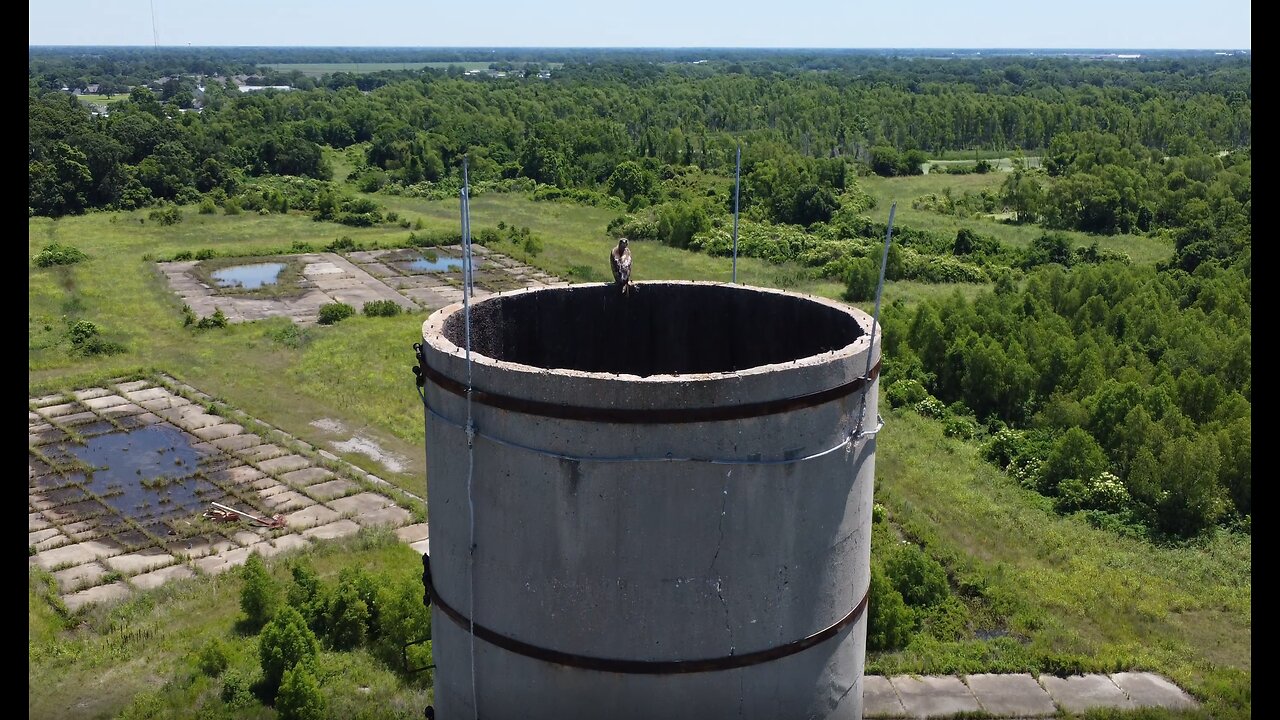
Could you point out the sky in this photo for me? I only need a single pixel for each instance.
(1114, 24)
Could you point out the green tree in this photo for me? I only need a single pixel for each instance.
(285, 642)
(299, 697)
(1190, 500)
(260, 596)
(308, 595)
(1075, 455)
(348, 619)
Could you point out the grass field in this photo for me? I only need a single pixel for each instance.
(104, 99)
(1073, 597)
(1142, 249)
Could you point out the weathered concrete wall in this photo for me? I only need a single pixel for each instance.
(652, 559)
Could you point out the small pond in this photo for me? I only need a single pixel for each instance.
(249, 277)
(437, 265)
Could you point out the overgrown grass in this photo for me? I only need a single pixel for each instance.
(140, 657)
(1084, 599)
(1141, 249)
(1078, 596)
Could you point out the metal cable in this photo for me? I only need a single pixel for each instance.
(471, 429)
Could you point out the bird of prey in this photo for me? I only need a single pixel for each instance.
(620, 260)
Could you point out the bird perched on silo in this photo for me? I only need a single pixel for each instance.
(620, 261)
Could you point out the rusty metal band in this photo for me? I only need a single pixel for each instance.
(646, 667)
(649, 416)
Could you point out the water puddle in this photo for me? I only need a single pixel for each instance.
(144, 472)
(443, 264)
(248, 277)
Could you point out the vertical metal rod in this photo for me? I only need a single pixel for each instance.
(737, 183)
(875, 319)
(471, 452)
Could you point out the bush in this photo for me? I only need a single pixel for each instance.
(285, 642)
(85, 338)
(188, 316)
(204, 254)
(382, 308)
(56, 254)
(959, 427)
(348, 619)
(208, 207)
(217, 320)
(260, 597)
(930, 407)
(237, 690)
(290, 336)
(231, 206)
(889, 620)
(166, 215)
(213, 660)
(905, 392)
(342, 243)
(331, 313)
(308, 596)
(917, 577)
(861, 279)
(1075, 455)
(402, 619)
(183, 255)
(299, 697)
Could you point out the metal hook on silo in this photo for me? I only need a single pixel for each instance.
(420, 380)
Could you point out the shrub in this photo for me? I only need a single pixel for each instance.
(402, 617)
(236, 690)
(917, 577)
(85, 338)
(331, 313)
(166, 215)
(208, 207)
(1104, 492)
(217, 320)
(231, 206)
(342, 243)
(889, 620)
(57, 254)
(1075, 455)
(285, 642)
(299, 697)
(905, 392)
(260, 597)
(213, 660)
(348, 619)
(290, 335)
(861, 279)
(930, 407)
(204, 254)
(959, 427)
(308, 595)
(183, 255)
(188, 316)
(382, 308)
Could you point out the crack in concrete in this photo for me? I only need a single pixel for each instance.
(724, 504)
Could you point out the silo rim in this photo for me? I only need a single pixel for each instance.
(821, 370)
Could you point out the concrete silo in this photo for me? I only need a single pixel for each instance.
(663, 509)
